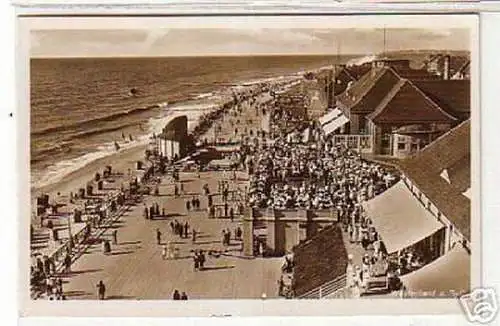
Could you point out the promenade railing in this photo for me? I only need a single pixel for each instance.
(327, 289)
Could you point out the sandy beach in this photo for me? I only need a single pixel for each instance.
(137, 249)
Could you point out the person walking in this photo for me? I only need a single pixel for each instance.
(231, 214)
(188, 206)
(101, 290)
(158, 236)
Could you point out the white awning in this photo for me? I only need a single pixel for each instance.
(335, 124)
(400, 218)
(447, 274)
(329, 116)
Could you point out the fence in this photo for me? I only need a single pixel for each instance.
(361, 143)
(326, 289)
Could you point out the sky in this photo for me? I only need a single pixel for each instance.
(247, 41)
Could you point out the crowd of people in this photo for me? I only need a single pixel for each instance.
(315, 175)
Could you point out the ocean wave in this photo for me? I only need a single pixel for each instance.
(60, 170)
(90, 122)
(192, 109)
(203, 95)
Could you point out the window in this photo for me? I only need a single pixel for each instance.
(401, 146)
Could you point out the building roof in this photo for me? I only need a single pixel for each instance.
(405, 103)
(452, 95)
(416, 74)
(365, 94)
(319, 260)
(449, 152)
(358, 71)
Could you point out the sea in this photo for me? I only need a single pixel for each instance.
(81, 106)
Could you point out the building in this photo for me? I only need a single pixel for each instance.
(319, 260)
(429, 210)
(448, 66)
(279, 231)
(402, 115)
(173, 141)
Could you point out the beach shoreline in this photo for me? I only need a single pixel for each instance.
(126, 159)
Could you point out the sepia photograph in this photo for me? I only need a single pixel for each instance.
(277, 162)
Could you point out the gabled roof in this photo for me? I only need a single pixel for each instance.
(451, 151)
(405, 103)
(365, 94)
(319, 260)
(451, 95)
(358, 71)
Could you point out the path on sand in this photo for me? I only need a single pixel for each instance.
(135, 268)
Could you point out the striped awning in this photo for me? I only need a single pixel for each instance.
(329, 116)
(335, 124)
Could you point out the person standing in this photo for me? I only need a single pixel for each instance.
(231, 214)
(194, 235)
(196, 261)
(223, 237)
(186, 230)
(176, 295)
(158, 236)
(202, 259)
(188, 206)
(67, 264)
(164, 252)
(184, 296)
(101, 290)
(193, 203)
(115, 237)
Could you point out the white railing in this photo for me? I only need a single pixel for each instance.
(361, 143)
(326, 289)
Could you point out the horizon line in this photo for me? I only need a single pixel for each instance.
(218, 55)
